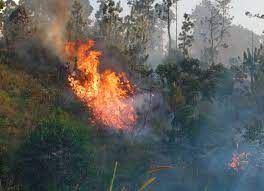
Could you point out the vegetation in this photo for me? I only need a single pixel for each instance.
(199, 119)
(55, 156)
(186, 37)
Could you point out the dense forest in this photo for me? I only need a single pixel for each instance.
(134, 98)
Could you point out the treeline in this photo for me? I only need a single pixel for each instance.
(137, 33)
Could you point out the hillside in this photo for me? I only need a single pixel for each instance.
(24, 103)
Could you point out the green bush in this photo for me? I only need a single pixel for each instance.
(55, 156)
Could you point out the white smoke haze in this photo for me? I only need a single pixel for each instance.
(50, 18)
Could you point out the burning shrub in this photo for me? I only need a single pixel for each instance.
(54, 157)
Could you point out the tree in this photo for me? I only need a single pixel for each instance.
(253, 67)
(139, 28)
(185, 75)
(182, 87)
(257, 15)
(186, 86)
(165, 13)
(17, 26)
(212, 24)
(143, 14)
(186, 36)
(109, 20)
(50, 19)
(249, 66)
(176, 20)
(2, 6)
(224, 8)
(76, 25)
(8, 27)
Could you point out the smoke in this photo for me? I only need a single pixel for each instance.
(54, 36)
(38, 41)
(51, 18)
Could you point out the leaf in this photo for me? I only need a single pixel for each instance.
(113, 178)
(147, 183)
(160, 168)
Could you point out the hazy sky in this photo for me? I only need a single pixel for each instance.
(238, 11)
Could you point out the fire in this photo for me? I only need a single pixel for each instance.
(107, 94)
(238, 161)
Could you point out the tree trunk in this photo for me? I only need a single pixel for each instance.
(169, 32)
(212, 49)
(212, 39)
(176, 24)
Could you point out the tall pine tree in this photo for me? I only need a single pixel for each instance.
(186, 36)
(77, 24)
(109, 21)
(212, 24)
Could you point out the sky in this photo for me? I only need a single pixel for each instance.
(238, 11)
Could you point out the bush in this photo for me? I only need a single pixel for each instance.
(56, 156)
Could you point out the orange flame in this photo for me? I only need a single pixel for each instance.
(106, 93)
(238, 161)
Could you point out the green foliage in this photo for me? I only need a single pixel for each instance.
(56, 156)
(140, 24)
(186, 85)
(253, 68)
(186, 36)
(18, 24)
(57, 153)
(24, 100)
(109, 20)
(113, 178)
(186, 75)
(217, 82)
(77, 25)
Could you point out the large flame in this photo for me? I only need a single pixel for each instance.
(108, 94)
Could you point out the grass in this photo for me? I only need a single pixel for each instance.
(25, 101)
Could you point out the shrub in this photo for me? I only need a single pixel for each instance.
(55, 156)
